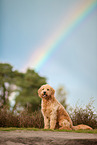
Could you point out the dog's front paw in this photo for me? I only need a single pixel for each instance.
(46, 127)
(52, 128)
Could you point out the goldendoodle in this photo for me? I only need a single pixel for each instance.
(54, 113)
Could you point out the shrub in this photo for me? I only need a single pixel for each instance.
(78, 115)
(8, 119)
(30, 120)
(24, 119)
(86, 116)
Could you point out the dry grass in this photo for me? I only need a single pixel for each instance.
(35, 119)
(87, 116)
(23, 119)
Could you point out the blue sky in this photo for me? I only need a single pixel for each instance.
(27, 24)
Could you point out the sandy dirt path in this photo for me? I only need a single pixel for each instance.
(20, 137)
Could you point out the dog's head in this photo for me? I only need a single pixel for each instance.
(46, 91)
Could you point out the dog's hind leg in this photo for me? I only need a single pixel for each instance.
(64, 124)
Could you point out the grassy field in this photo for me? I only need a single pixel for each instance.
(37, 129)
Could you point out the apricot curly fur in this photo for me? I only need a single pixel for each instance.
(54, 113)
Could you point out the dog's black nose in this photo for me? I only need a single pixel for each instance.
(44, 92)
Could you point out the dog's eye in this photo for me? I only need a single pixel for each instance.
(47, 89)
(43, 89)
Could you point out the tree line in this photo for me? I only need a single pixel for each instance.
(24, 86)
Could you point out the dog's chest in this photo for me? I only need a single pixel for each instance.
(47, 108)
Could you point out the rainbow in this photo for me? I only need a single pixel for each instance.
(40, 56)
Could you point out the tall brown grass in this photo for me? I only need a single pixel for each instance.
(35, 119)
(23, 119)
(86, 115)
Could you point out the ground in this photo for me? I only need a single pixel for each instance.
(21, 137)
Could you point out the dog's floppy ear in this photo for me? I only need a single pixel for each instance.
(53, 91)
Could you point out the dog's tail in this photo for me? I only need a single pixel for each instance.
(82, 127)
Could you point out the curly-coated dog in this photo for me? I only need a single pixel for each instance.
(54, 113)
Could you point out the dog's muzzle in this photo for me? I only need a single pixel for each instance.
(44, 94)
